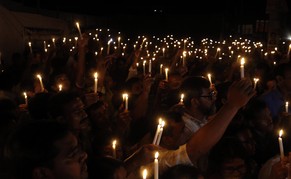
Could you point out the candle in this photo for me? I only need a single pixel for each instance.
(40, 81)
(108, 47)
(25, 97)
(125, 98)
(255, 82)
(160, 133)
(150, 67)
(60, 87)
(161, 69)
(30, 48)
(166, 73)
(118, 43)
(95, 82)
(182, 98)
(281, 144)
(142, 43)
(286, 106)
(184, 58)
(163, 52)
(78, 27)
(157, 131)
(242, 72)
(209, 78)
(156, 166)
(144, 62)
(54, 42)
(144, 174)
(114, 148)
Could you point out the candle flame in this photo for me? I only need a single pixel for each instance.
(95, 75)
(114, 144)
(156, 155)
(144, 174)
(280, 133)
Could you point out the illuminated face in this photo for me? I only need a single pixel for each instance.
(207, 102)
(71, 160)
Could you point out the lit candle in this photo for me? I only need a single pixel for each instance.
(184, 58)
(286, 106)
(30, 48)
(281, 144)
(142, 43)
(60, 87)
(156, 165)
(95, 82)
(182, 98)
(209, 78)
(78, 27)
(150, 67)
(114, 148)
(40, 82)
(161, 69)
(160, 133)
(166, 73)
(108, 47)
(125, 98)
(144, 174)
(118, 42)
(242, 70)
(255, 82)
(144, 70)
(163, 52)
(157, 131)
(25, 97)
(54, 41)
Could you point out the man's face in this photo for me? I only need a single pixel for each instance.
(70, 163)
(207, 102)
(76, 116)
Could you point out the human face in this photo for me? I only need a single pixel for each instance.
(76, 115)
(247, 140)
(234, 169)
(70, 163)
(264, 122)
(207, 101)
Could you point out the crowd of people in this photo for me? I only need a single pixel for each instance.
(64, 114)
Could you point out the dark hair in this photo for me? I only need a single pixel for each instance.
(58, 102)
(32, 144)
(255, 105)
(38, 106)
(192, 87)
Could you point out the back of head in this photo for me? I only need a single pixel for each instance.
(38, 106)
(32, 144)
(182, 171)
(192, 86)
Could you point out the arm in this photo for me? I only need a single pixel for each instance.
(207, 136)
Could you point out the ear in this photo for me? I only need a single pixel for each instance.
(41, 173)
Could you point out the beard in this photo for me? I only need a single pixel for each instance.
(208, 110)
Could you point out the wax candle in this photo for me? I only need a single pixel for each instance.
(156, 166)
(95, 82)
(114, 148)
(40, 81)
(209, 78)
(144, 70)
(161, 69)
(108, 46)
(160, 133)
(157, 131)
(25, 97)
(125, 99)
(78, 27)
(286, 106)
(182, 98)
(281, 144)
(255, 82)
(166, 73)
(242, 70)
(144, 174)
(60, 87)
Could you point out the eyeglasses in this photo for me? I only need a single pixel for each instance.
(211, 95)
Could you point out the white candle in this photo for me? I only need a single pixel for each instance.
(25, 97)
(114, 148)
(161, 69)
(118, 43)
(286, 106)
(255, 82)
(182, 98)
(184, 58)
(30, 48)
(242, 70)
(209, 78)
(150, 67)
(108, 46)
(160, 133)
(163, 52)
(144, 174)
(54, 42)
(142, 43)
(156, 166)
(40, 82)
(125, 98)
(281, 144)
(78, 27)
(60, 87)
(157, 131)
(144, 70)
(166, 73)
(95, 82)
